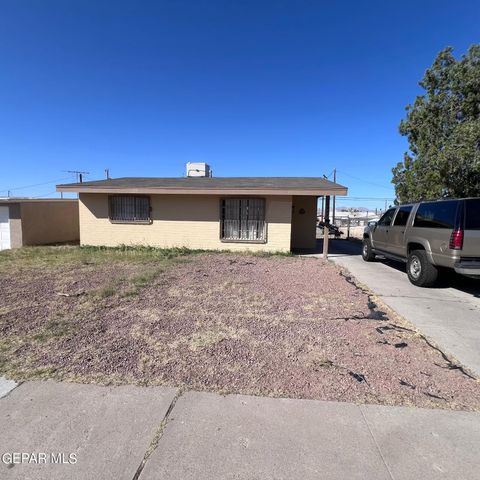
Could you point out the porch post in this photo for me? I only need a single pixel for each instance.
(325, 228)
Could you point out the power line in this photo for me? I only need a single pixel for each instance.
(365, 198)
(36, 185)
(44, 194)
(364, 181)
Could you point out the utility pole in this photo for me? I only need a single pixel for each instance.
(107, 173)
(333, 201)
(325, 228)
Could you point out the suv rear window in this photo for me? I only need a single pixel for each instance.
(439, 214)
(402, 216)
(472, 214)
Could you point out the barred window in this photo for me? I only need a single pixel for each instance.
(243, 219)
(129, 208)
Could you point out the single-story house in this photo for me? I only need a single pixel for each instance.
(254, 213)
(40, 221)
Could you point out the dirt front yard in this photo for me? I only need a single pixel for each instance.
(263, 325)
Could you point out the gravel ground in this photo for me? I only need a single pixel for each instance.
(279, 326)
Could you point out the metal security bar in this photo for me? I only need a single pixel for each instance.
(129, 208)
(243, 219)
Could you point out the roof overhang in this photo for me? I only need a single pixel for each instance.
(203, 191)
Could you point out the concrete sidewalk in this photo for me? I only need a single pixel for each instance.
(449, 314)
(151, 433)
(109, 429)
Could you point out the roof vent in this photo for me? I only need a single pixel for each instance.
(198, 169)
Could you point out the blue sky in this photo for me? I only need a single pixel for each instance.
(252, 87)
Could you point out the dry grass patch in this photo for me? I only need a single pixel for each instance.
(264, 325)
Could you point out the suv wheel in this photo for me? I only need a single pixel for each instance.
(420, 271)
(367, 253)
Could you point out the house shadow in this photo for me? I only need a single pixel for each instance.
(336, 247)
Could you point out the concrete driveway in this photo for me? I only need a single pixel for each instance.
(448, 314)
(155, 433)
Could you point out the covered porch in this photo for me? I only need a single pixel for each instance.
(304, 224)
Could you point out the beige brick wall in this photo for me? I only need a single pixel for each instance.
(190, 221)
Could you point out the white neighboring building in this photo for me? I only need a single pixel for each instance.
(361, 217)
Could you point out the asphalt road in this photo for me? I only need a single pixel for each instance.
(448, 314)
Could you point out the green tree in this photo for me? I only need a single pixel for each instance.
(443, 131)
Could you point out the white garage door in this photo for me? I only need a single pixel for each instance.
(4, 229)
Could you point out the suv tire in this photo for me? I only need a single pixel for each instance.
(419, 270)
(367, 253)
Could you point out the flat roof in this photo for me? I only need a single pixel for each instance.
(8, 200)
(315, 186)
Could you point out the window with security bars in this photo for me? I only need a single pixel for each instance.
(243, 219)
(129, 208)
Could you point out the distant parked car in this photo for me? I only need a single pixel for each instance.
(428, 236)
(370, 224)
(332, 229)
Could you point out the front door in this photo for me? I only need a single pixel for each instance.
(304, 223)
